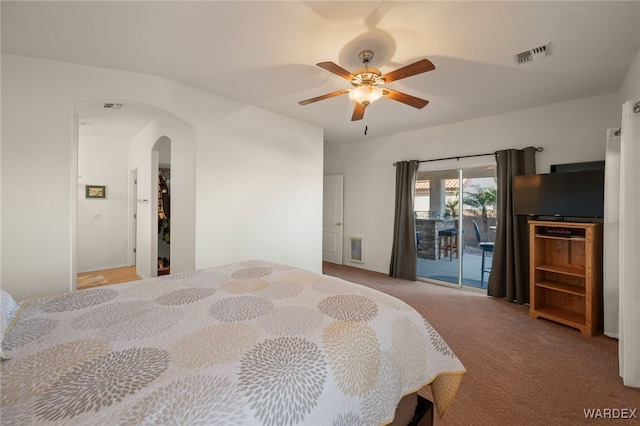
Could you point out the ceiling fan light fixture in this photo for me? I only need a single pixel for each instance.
(366, 81)
(364, 95)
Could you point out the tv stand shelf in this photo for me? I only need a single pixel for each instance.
(566, 273)
(563, 316)
(566, 288)
(567, 270)
(556, 237)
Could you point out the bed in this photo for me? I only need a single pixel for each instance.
(243, 344)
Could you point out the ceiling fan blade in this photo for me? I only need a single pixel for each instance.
(337, 70)
(358, 112)
(323, 97)
(423, 65)
(404, 98)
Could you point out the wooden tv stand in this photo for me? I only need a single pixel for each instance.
(565, 273)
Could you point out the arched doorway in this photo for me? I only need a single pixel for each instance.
(145, 132)
(161, 165)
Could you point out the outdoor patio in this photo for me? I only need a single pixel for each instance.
(447, 270)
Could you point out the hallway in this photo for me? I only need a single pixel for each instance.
(107, 276)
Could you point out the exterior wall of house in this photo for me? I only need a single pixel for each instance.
(571, 131)
(244, 156)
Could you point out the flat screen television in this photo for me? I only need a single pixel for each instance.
(577, 167)
(561, 195)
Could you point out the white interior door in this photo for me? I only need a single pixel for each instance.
(332, 219)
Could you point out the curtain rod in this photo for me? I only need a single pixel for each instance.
(538, 149)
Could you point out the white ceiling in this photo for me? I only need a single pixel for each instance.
(264, 52)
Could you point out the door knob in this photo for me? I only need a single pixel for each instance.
(337, 223)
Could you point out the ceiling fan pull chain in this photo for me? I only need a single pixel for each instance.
(365, 129)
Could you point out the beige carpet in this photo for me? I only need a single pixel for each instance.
(520, 371)
(86, 281)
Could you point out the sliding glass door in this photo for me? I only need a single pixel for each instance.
(437, 222)
(455, 225)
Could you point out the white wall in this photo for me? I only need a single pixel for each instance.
(275, 160)
(630, 87)
(266, 197)
(183, 204)
(103, 223)
(569, 132)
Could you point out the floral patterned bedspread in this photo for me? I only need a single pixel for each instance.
(243, 344)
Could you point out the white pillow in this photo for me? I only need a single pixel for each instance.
(8, 310)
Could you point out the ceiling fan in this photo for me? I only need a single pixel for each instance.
(367, 82)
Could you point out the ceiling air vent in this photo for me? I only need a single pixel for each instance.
(531, 54)
(112, 106)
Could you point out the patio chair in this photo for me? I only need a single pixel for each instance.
(486, 246)
(448, 242)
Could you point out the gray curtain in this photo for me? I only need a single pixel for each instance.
(404, 263)
(509, 276)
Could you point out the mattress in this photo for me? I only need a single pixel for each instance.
(252, 343)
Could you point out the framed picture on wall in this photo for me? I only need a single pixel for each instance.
(96, 191)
